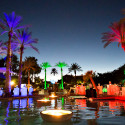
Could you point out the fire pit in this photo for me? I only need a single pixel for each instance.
(56, 115)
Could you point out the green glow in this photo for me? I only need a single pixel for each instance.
(61, 65)
(60, 86)
(104, 89)
(44, 66)
(63, 102)
(47, 85)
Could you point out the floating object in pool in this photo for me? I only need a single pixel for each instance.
(56, 115)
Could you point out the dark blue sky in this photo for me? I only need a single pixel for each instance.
(71, 31)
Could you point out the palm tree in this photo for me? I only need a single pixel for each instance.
(28, 66)
(23, 39)
(44, 66)
(75, 67)
(61, 65)
(54, 71)
(89, 75)
(9, 25)
(117, 34)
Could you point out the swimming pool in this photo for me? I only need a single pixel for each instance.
(26, 111)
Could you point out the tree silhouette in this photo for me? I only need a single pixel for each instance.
(28, 66)
(74, 67)
(54, 71)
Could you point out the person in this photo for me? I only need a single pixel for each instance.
(91, 92)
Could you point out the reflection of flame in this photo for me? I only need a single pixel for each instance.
(44, 100)
(53, 96)
(56, 112)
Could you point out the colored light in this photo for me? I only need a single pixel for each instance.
(53, 96)
(56, 112)
(12, 82)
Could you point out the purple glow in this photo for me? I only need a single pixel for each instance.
(15, 103)
(23, 103)
(1, 92)
(16, 91)
(24, 91)
(7, 113)
(30, 90)
(30, 102)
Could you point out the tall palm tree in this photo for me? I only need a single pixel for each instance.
(23, 39)
(117, 34)
(61, 65)
(10, 24)
(28, 66)
(74, 67)
(54, 71)
(44, 66)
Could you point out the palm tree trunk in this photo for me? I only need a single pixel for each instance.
(28, 80)
(62, 78)
(20, 70)
(75, 76)
(8, 66)
(45, 80)
(94, 86)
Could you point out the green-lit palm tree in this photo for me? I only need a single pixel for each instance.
(10, 24)
(23, 39)
(61, 65)
(54, 71)
(117, 34)
(28, 66)
(44, 66)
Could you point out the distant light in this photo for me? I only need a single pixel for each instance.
(44, 100)
(12, 82)
(52, 96)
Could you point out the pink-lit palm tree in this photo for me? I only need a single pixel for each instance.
(23, 39)
(117, 34)
(10, 24)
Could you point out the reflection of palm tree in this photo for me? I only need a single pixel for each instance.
(61, 65)
(75, 67)
(10, 25)
(28, 66)
(44, 66)
(117, 34)
(54, 71)
(23, 40)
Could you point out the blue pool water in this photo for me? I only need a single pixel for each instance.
(26, 111)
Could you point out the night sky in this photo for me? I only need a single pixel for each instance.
(70, 31)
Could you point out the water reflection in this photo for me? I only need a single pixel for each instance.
(25, 111)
